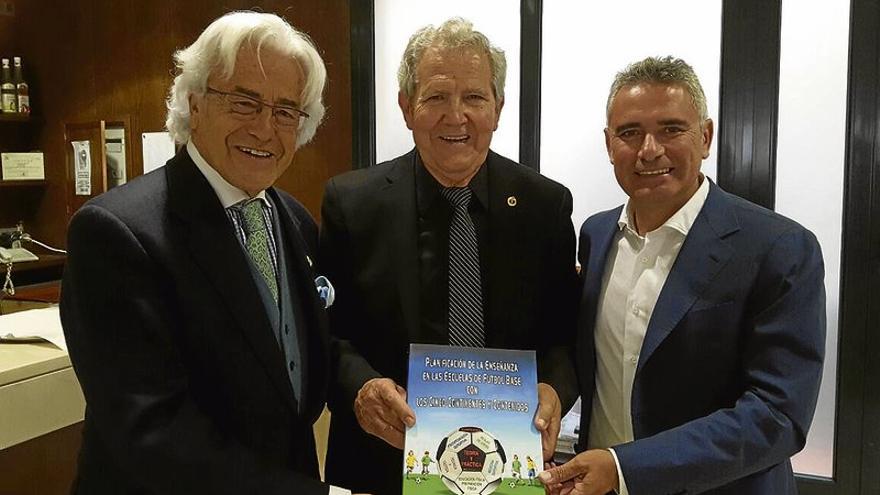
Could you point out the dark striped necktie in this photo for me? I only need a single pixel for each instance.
(465, 288)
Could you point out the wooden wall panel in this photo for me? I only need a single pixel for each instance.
(45, 465)
(7, 36)
(106, 59)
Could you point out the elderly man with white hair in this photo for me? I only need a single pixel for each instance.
(189, 300)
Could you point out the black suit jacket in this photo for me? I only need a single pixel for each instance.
(186, 388)
(369, 249)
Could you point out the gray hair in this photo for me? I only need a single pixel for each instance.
(665, 70)
(453, 33)
(216, 50)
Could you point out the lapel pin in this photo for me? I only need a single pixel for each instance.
(511, 201)
(309, 260)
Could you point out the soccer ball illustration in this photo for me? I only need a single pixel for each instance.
(471, 461)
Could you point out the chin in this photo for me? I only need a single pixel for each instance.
(462, 164)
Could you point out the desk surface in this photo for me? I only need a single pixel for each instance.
(20, 361)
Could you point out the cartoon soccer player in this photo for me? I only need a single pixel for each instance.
(530, 465)
(410, 463)
(426, 461)
(515, 467)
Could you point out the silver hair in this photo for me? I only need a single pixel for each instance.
(666, 70)
(453, 33)
(215, 51)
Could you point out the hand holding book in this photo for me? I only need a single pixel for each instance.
(382, 411)
(548, 419)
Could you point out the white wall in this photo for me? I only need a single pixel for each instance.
(810, 170)
(585, 44)
(397, 20)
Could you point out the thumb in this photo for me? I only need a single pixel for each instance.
(559, 474)
(543, 415)
(548, 407)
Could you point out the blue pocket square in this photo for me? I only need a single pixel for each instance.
(325, 291)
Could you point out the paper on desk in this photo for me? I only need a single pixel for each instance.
(44, 323)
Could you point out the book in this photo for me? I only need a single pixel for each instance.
(474, 432)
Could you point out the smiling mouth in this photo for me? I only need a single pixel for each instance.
(659, 171)
(456, 139)
(255, 152)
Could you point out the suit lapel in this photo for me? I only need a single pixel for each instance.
(703, 254)
(598, 248)
(213, 246)
(399, 200)
(505, 251)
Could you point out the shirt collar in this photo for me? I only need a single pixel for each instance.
(228, 194)
(682, 220)
(428, 189)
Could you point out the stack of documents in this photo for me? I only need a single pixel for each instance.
(34, 324)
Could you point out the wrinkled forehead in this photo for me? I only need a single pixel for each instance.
(260, 71)
(458, 62)
(651, 98)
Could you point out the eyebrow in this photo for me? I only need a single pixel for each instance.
(481, 91)
(679, 122)
(635, 125)
(627, 126)
(258, 96)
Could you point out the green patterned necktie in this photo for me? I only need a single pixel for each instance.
(257, 243)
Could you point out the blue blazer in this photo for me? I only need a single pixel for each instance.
(729, 371)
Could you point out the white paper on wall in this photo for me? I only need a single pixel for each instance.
(158, 149)
(82, 167)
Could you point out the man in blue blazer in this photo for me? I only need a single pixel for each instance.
(702, 326)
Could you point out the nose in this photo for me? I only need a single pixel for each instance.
(455, 114)
(651, 149)
(262, 126)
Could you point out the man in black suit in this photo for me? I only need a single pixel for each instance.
(189, 301)
(388, 239)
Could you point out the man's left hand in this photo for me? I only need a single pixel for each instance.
(593, 472)
(548, 419)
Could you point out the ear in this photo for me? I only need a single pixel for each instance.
(708, 134)
(406, 108)
(499, 105)
(195, 110)
(608, 136)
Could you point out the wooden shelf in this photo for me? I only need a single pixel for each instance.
(24, 183)
(49, 267)
(45, 261)
(15, 117)
(47, 292)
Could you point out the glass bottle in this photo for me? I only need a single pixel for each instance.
(23, 101)
(7, 90)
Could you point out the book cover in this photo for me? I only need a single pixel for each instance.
(474, 431)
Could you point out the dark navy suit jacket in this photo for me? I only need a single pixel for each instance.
(729, 371)
(187, 390)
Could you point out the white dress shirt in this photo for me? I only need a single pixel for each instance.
(635, 271)
(230, 195)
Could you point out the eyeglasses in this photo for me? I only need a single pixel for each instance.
(248, 107)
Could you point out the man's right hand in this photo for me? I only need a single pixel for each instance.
(382, 411)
